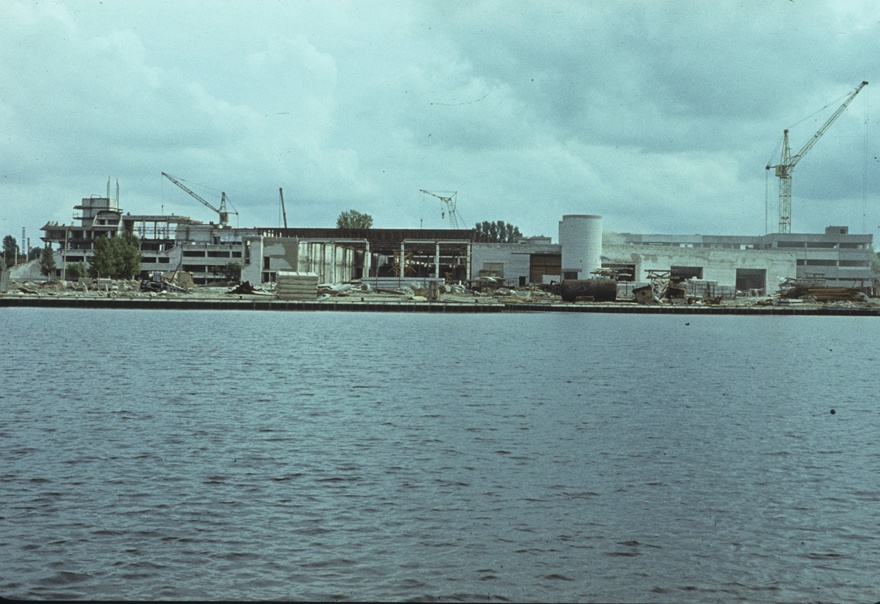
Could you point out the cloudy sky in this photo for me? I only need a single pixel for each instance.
(658, 115)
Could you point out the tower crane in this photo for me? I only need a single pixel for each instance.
(224, 215)
(787, 162)
(450, 203)
(283, 211)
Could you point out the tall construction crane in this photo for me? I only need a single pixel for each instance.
(450, 203)
(224, 215)
(283, 211)
(787, 162)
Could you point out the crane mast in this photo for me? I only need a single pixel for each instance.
(450, 203)
(787, 162)
(223, 213)
(283, 211)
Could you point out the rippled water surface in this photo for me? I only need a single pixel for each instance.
(543, 457)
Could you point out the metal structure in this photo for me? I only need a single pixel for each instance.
(283, 211)
(787, 162)
(450, 203)
(223, 213)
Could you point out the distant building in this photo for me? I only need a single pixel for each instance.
(168, 243)
(381, 256)
(736, 263)
(179, 243)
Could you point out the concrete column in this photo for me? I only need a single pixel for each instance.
(367, 260)
(437, 260)
(331, 257)
(402, 265)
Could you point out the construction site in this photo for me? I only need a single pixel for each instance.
(186, 259)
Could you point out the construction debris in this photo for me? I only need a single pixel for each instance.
(158, 283)
(245, 288)
(825, 294)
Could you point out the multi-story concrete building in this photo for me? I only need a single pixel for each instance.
(179, 243)
(168, 243)
(754, 263)
(740, 263)
(836, 257)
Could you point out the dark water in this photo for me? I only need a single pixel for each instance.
(548, 457)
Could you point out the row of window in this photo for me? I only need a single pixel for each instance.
(210, 254)
(821, 245)
(841, 263)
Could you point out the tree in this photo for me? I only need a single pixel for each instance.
(498, 232)
(354, 220)
(231, 271)
(47, 262)
(117, 257)
(10, 250)
(75, 271)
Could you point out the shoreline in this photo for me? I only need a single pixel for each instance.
(348, 304)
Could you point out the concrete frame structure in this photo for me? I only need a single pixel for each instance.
(734, 263)
(836, 257)
(178, 243)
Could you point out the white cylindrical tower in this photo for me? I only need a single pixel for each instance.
(580, 236)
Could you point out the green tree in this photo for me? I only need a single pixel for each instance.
(498, 231)
(47, 262)
(10, 250)
(77, 270)
(230, 271)
(354, 220)
(117, 257)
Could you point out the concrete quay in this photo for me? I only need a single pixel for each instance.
(264, 303)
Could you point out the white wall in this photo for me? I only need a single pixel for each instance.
(516, 257)
(332, 263)
(718, 264)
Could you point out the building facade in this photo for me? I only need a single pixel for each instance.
(742, 263)
(736, 263)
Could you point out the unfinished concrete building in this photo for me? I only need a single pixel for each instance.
(378, 257)
(394, 257)
(721, 263)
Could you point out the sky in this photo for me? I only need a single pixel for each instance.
(659, 116)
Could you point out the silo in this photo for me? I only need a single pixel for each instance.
(580, 236)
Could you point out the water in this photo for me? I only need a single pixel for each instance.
(541, 457)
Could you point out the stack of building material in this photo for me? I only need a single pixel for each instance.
(825, 294)
(296, 286)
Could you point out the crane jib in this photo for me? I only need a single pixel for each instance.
(222, 212)
(787, 162)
